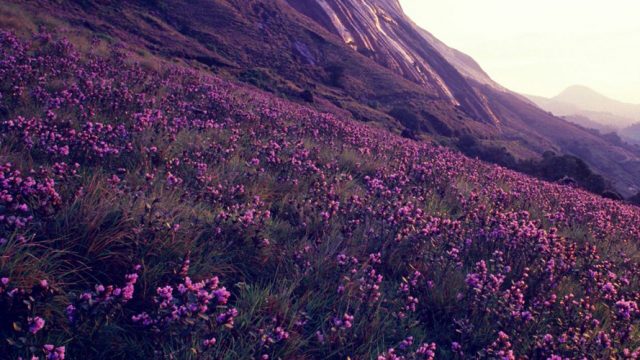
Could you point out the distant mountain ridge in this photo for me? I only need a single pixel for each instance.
(590, 100)
(582, 101)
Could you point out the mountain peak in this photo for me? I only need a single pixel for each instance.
(589, 99)
(579, 87)
(576, 91)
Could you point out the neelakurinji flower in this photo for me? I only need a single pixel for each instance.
(36, 324)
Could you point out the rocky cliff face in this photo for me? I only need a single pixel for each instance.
(380, 30)
(380, 27)
(375, 28)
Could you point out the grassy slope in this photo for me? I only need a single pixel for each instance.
(289, 207)
(264, 53)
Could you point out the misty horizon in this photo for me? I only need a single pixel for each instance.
(545, 47)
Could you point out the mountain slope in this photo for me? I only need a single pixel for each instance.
(363, 59)
(514, 118)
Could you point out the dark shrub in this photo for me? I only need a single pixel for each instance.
(497, 155)
(307, 96)
(438, 125)
(566, 169)
(406, 133)
(610, 194)
(407, 118)
(258, 78)
(336, 75)
(467, 143)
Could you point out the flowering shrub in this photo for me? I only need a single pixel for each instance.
(102, 301)
(22, 197)
(333, 238)
(22, 325)
(188, 308)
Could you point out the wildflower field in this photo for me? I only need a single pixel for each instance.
(172, 214)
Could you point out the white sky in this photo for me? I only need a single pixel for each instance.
(540, 47)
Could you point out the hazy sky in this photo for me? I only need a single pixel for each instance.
(540, 47)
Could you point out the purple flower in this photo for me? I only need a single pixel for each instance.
(54, 353)
(626, 309)
(36, 324)
(70, 312)
(209, 342)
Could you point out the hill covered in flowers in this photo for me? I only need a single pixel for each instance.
(172, 214)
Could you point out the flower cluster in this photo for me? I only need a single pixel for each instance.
(426, 351)
(102, 301)
(52, 352)
(185, 302)
(22, 196)
(361, 280)
(19, 310)
(189, 307)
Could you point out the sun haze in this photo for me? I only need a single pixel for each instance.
(541, 47)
